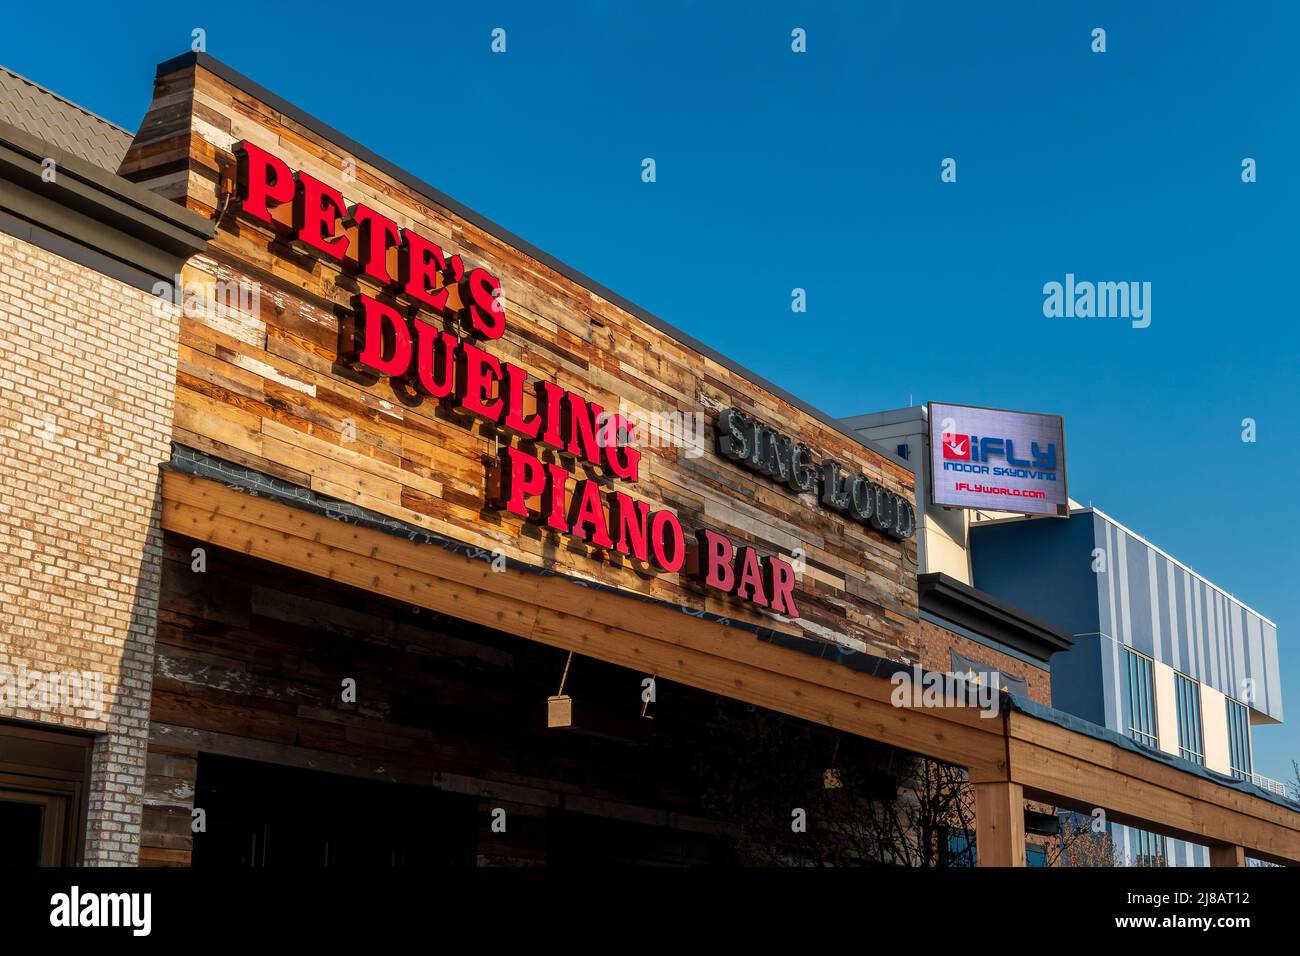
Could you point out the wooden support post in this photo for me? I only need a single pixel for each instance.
(1000, 823)
(1225, 854)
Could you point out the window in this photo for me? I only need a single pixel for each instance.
(1191, 740)
(1148, 848)
(961, 849)
(1141, 699)
(43, 776)
(1238, 740)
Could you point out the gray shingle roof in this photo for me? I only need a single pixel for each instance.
(67, 126)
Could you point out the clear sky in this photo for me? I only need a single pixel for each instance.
(821, 170)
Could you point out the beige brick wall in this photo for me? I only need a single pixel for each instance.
(87, 369)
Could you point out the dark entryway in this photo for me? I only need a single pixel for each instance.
(263, 815)
(582, 840)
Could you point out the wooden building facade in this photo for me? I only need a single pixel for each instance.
(458, 558)
(251, 657)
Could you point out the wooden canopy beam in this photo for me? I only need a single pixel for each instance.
(645, 636)
(1017, 755)
(1081, 772)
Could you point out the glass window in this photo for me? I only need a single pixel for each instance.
(1148, 848)
(1140, 673)
(1238, 739)
(1191, 740)
(961, 848)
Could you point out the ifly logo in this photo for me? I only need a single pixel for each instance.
(981, 449)
(956, 446)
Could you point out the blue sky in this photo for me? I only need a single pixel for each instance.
(821, 171)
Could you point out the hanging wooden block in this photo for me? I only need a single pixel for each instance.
(559, 711)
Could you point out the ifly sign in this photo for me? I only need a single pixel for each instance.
(997, 460)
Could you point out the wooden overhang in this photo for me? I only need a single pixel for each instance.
(1013, 756)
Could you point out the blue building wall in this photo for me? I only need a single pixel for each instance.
(1043, 567)
(1082, 679)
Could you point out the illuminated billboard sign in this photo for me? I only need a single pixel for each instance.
(997, 460)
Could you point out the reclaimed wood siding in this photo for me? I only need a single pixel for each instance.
(250, 660)
(263, 389)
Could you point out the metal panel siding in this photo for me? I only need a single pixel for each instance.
(1111, 692)
(1239, 669)
(1144, 599)
(1113, 676)
(1225, 644)
(1105, 583)
(1238, 631)
(1152, 604)
(1139, 597)
(1173, 604)
(1255, 661)
(1213, 672)
(1200, 652)
(1222, 676)
(1272, 670)
(1109, 583)
(1225, 641)
(1119, 542)
(1157, 635)
(1216, 630)
(1227, 613)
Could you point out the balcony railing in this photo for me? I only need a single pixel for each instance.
(1269, 784)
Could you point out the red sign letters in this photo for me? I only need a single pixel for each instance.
(392, 332)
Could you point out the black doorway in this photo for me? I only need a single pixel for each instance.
(264, 815)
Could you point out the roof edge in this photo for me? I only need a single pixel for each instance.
(1165, 554)
(95, 208)
(63, 99)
